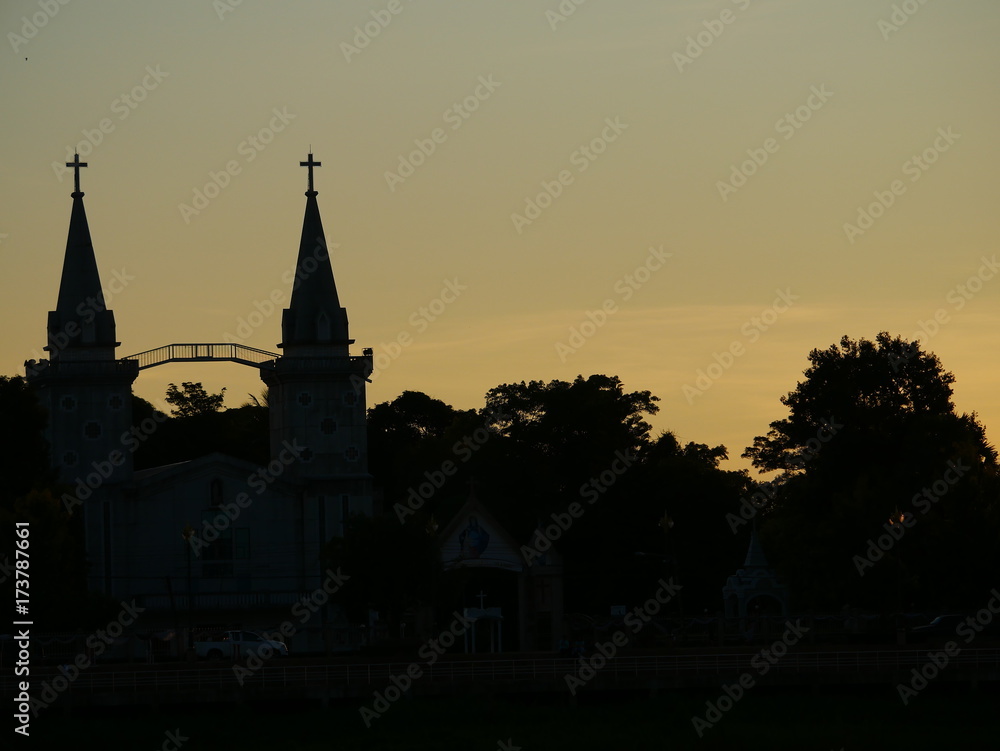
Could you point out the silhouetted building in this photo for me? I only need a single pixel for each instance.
(513, 604)
(242, 541)
(756, 590)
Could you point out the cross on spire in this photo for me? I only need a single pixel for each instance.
(310, 164)
(76, 164)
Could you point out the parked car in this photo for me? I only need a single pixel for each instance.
(234, 645)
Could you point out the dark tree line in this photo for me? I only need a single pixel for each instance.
(871, 446)
(535, 448)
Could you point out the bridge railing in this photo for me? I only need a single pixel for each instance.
(195, 352)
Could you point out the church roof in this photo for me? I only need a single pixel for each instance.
(142, 474)
(80, 317)
(214, 464)
(756, 573)
(755, 553)
(314, 315)
(474, 539)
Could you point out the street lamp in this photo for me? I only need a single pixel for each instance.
(666, 524)
(187, 533)
(897, 520)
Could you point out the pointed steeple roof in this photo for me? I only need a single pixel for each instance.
(755, 579)
(755, 553)
(314, 315)
(80, 318)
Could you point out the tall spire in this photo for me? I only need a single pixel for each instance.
(314, 315)
(80, 318)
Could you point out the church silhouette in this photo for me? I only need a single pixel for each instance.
(216, 536)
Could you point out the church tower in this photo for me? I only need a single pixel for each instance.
(317, 389)
(86, 391)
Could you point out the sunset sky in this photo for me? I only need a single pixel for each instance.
(633, 188)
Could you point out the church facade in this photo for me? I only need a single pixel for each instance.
(214, 540)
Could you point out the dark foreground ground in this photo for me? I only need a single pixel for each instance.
(875, 718)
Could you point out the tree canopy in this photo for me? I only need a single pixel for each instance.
(869, 430)
(536, 447)
(192, 399)
(200, 426)
(866, 393)
(871, 437)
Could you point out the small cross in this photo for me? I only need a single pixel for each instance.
(482, 598)
(310, 164)
(76, 164)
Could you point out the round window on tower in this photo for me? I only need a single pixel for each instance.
(70, 459)
(116, 402)
(328, 426)
(92, 430)
(68, 403)
(305, 399)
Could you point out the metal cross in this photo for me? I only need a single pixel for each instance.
(76, 164)
(310, 164)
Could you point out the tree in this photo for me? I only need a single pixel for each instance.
(263, 401)
(866, 395)
(24, 452)
(587, 414)
(193, 400)
(587, 442)
(411, 416)
(199, 428)
(871, 432)
(557, 435)
(408, 436)
(665, 517)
